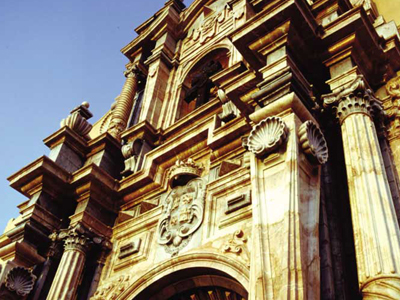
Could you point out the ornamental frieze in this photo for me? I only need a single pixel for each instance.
(182, 215)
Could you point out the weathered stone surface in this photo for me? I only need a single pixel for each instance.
(204, 180)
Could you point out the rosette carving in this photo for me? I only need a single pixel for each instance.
(266, 136)
(20, 281)
(313, 143)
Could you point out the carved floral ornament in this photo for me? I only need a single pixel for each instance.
(112, 290)
(313, 143)
(182, 215)
(266, 136)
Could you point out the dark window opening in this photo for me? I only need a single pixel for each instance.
(198, 88)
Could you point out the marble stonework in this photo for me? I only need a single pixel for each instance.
(253, 153)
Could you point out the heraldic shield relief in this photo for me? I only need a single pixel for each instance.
(182, 215)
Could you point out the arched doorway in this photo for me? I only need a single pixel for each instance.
(195, 284)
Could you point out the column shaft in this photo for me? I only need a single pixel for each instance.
(376, 231)
(375, 225)
(69, 272)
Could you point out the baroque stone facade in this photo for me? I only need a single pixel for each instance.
(253, 153)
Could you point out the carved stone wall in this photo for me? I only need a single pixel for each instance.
(261, 164)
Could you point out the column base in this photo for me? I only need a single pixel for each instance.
(382, 287)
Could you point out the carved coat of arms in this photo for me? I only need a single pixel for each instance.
(182, 215)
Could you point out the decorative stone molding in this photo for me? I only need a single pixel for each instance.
(182, 215)
(20, 281)
(313, 143)
(77, 120)
(129, 249)
(238, 202)
(236, 243)
(353, 99)
(133, 153)
(393, 88)
(106, 122)
(132, 71)
(183, 171)
(210, 26)
(75, 241)
(112, 290)
(383, 287)
(266, 136)
(80, 239)
(367, 4)
(393, 109)
(229, 110)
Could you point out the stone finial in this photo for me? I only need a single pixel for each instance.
(313, 143)
(353, 98)
(77, 120)
(20, 281)
(266, 136)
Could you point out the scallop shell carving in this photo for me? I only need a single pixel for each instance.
(313, 142)
(20, 281)
(267, 136)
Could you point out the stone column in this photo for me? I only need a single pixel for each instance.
(124, 104)
(69, 272)
(376, 230)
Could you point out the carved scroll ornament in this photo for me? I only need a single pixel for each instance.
(182, 215)
(313, 143)
(267, 136)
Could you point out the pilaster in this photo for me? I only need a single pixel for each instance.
(285, 200)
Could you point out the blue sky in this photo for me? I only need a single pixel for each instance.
(53, 56)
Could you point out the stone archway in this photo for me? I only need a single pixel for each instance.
(191, 274)
(189, 285)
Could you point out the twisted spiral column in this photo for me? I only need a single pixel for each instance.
(376, 230)
(124, 104)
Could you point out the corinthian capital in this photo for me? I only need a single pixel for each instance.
(355, 98)
(76, 241)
